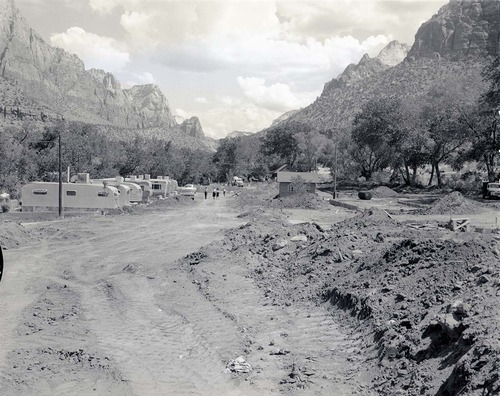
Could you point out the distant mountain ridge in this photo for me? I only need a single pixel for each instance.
(451, 47)
(44, 81)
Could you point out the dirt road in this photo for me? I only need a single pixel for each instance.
(100, 306)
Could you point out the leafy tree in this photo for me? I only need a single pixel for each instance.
(226, 159)
(281, 142)
(373, 132)
(311, 145)
(482, 121)
(445, 136)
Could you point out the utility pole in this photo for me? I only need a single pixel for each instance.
(60, 175)
(335, 176)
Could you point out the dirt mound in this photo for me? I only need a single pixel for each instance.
(430, 301)
(383, 192)
(454, 203)
(368, 218)
(14, 235)
(426, 301)
(301, 201)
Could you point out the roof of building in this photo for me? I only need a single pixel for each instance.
(307, 177)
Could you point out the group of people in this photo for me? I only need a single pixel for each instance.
(215, 192)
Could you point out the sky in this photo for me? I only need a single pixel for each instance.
(235, 64)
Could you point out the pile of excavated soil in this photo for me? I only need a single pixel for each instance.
(383, 192)
(370, 218)
(260, 194)
(425, 299)
(432, 303)
(301, 201)
(14, 235)
(455, 204)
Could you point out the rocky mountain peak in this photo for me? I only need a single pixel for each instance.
(192, 127)
(393, 53)
(57, 82)
(460, 29)
(366, 67)
(107, 79)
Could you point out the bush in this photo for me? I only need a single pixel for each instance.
(468, 183)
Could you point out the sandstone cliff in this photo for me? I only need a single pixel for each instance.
(391, 55)
(59, 83)
(192, 127)
(461, 28)
(451, 48)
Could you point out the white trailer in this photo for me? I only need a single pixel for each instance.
(39, 196)
(144, 185)
(134, 192)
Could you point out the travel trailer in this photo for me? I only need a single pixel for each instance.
(40, 196)
(160, 187)
(134, 191)
(145, 186)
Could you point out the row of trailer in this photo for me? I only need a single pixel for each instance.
(84, 193)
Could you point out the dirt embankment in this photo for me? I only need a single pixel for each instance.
(455, 204)
(426, 299)
(13, 234)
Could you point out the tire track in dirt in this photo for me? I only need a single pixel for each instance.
(49, 350)
(178, 348)
(277, 337)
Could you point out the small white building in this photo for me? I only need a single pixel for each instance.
(39, 196)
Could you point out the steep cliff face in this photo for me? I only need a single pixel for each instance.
(365, 68)
(461, 28)
(394, 53)
(391, 55)
(451, 48)
(192, 127)
(59, 80)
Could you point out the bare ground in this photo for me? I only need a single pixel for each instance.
(322, 301)
(100, 305)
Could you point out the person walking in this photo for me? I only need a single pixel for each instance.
(217, 192)
(206, 192)
(224, 192)
(213, 194)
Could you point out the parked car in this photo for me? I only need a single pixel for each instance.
(238, 181)
(188, 190)
(491, 190)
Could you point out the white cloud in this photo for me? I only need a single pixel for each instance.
(182, 113)
(96, 51)
(132, 79)
(218, 122)
(276, 97)
(283, 51)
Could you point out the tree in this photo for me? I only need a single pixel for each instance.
(226, 159)
(482, 123)
(311, 145)
(372, 133)
(482, 120)
(281, 142)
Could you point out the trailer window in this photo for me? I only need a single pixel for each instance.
(102, 194)
(71, 192)
(156, 186)
(40, 192)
